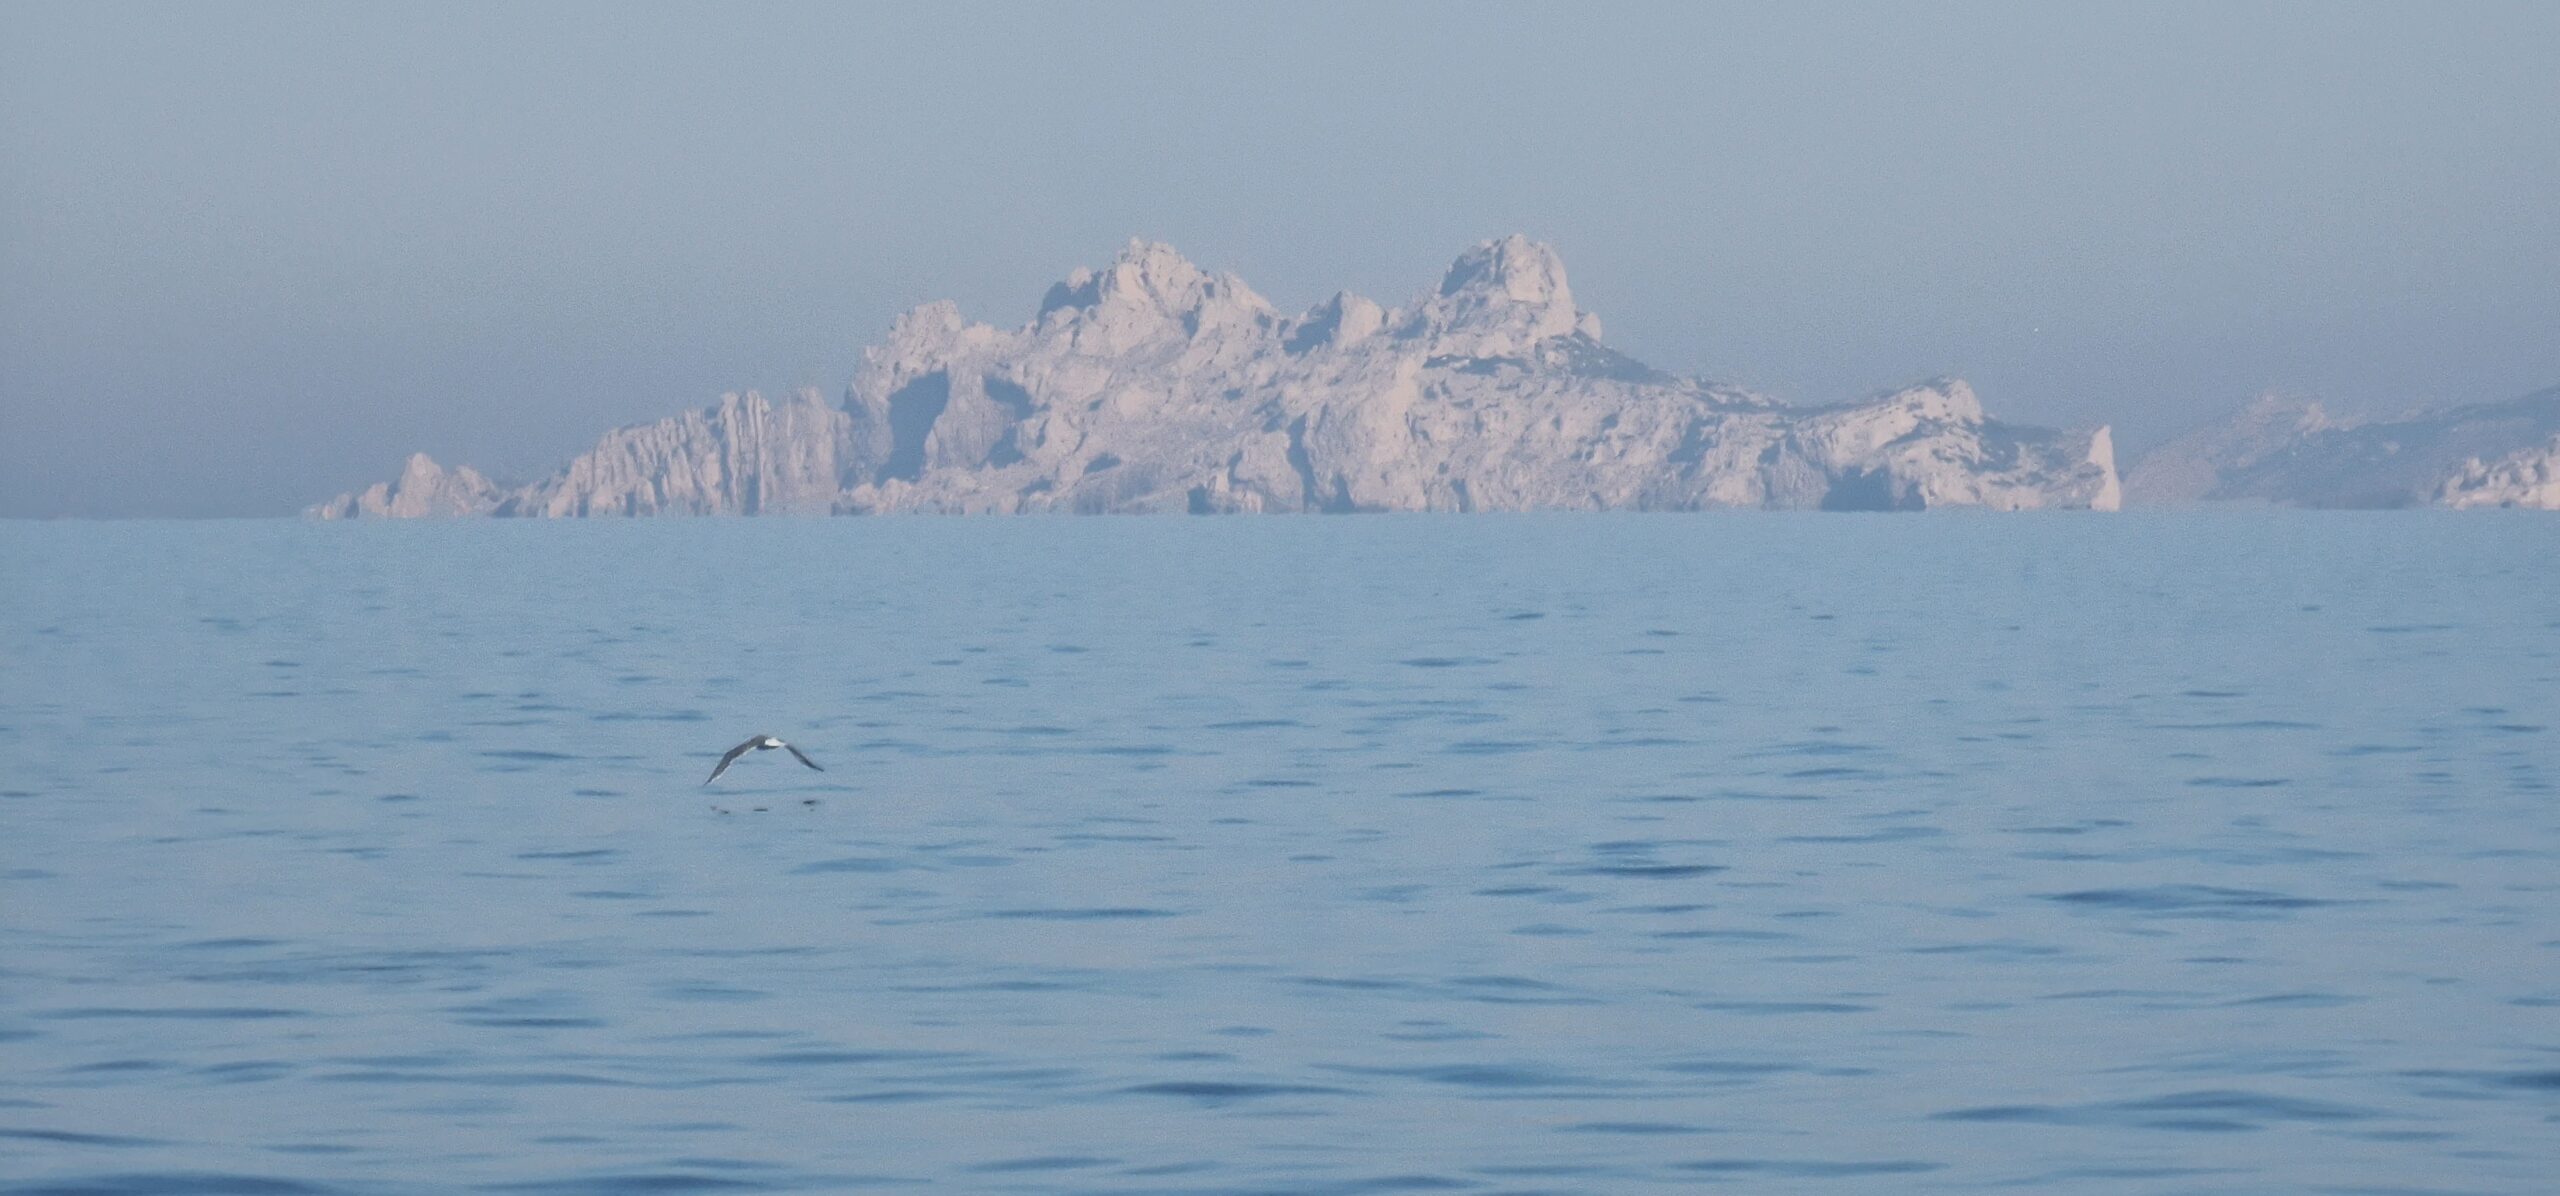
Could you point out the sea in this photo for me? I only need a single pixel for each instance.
(2211, 852)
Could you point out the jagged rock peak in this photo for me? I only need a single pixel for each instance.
(1521, 270)
(1344, 320)
(1948, 399)
(1500, 298)
(1150, 276)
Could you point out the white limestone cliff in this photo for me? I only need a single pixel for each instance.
(2528, 477)
(1152, 385)
(744, 455)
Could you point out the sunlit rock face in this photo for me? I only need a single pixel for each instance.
(2528, 477)
(2288, 452)
(1153, 385)
(744, 455)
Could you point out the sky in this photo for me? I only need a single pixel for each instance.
(252, 255)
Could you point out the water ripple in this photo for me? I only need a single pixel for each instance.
(1282, 857)
(2207, 1111)
(2190, 900)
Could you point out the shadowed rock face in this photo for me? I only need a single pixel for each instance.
(2191, 468)
(2290, 453)
(1151, 385)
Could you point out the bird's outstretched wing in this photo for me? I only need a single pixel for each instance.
(732, 758)
(802, 757)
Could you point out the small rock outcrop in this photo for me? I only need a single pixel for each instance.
(424, 490)
(1153, 385)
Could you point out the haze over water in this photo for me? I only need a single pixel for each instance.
(2206, 853)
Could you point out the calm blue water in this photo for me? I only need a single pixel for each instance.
(2209, 853)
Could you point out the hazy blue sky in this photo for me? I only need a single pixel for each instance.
(254, 254)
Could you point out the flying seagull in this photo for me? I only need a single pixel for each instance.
(758, 743)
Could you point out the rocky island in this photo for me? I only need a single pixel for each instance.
(1152, 385)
